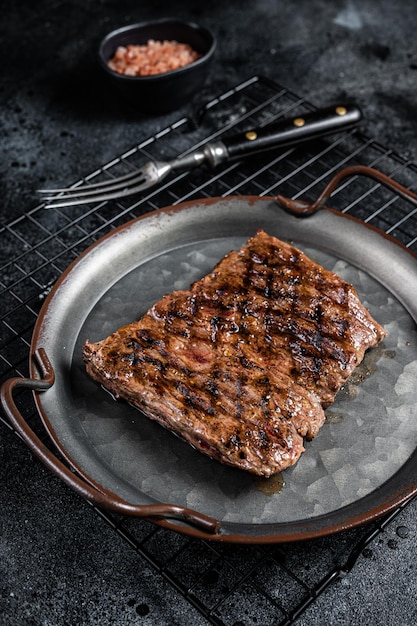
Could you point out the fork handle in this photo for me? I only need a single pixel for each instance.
(293, 130)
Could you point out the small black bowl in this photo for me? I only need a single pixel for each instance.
(160, 93)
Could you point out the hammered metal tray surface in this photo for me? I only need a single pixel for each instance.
(360, 465)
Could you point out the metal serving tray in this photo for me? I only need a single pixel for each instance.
(361, 465)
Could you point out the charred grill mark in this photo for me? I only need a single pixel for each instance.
(212, 388)
(134, 345)
(184, 371)
(239, 389)
(193, 306)
(129, 358)
(317, 313)
(184, 333)
(140, 359)
(182, 314)
(263, 439)
(239, 410)
(269, 291)
(214, 323)
(248, 364)
(152, 361)
(234, 441)
(307, 362)
(265, 405)
(341, 326)
(144, 336)
(221, 375)
(195, 400)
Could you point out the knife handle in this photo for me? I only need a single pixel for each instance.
(294, 130)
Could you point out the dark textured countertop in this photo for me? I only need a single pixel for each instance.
(60, 564)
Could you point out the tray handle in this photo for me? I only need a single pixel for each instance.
(304, 209)
(167, 512)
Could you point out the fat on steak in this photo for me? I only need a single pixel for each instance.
(242, 364)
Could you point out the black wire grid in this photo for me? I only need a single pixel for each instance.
(228, 584)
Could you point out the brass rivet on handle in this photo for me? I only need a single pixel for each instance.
(299, 121)
(251, 135)
(341, 110)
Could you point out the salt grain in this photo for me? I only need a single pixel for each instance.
(155, 57)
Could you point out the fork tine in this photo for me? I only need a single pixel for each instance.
(149, 175)
(120, 187)
(90, 196)
(105, 185)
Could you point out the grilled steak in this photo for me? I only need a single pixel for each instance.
(243, 363)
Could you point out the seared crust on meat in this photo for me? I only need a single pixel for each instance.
(242, 363)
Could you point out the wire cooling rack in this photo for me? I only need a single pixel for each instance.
(228, 584)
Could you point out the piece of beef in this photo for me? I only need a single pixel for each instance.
(242, 363)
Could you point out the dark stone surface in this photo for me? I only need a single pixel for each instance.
(60, 564)
(59, 119)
